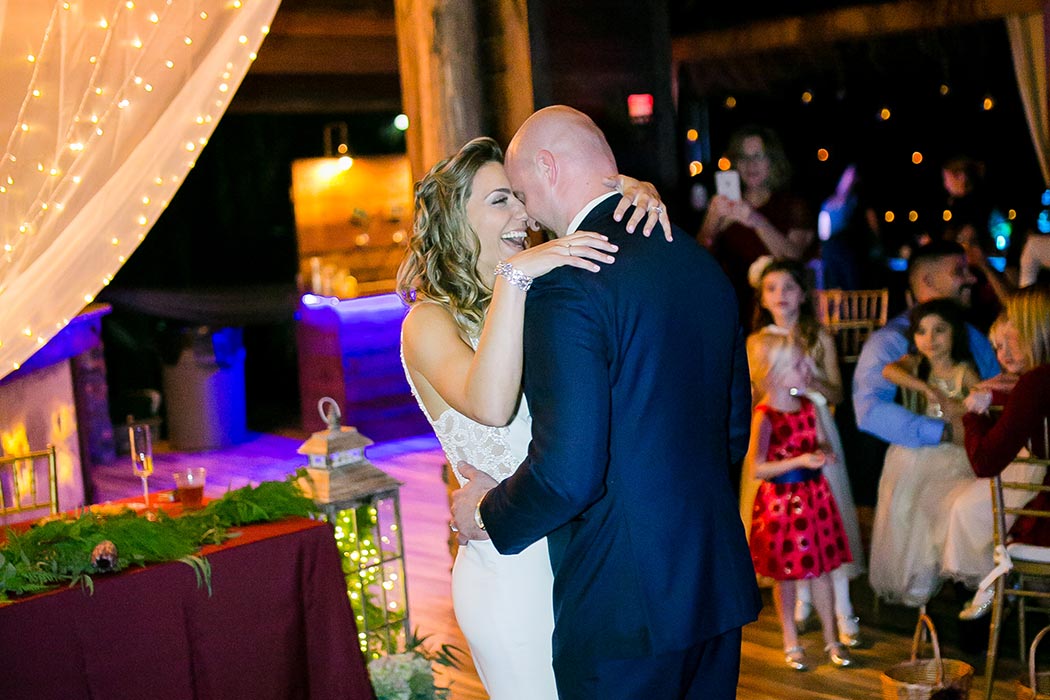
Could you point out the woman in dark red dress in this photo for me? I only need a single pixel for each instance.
(766, 221)
(991, 444)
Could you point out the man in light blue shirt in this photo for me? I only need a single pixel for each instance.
(937, 270)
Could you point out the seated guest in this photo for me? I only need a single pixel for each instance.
(936, 271)
(968, 543)
(992, 444)
(919, 484)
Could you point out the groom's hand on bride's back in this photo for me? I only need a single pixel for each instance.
(465, 502)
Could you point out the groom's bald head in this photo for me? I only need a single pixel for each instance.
(557, 160)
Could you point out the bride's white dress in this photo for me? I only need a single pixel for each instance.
(503, 603)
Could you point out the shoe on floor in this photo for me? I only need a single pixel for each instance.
(849, 631)
(979, 606)
(838, 655)
(795, 658)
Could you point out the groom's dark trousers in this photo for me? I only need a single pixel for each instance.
(708, 670)
(637, 380)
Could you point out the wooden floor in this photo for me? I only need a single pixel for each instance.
(418, 463)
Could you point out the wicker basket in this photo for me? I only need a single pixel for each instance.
(1037, 685)
(919, 679)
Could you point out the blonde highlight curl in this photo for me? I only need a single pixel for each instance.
(441, 261)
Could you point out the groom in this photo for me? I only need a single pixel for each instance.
(638, 384)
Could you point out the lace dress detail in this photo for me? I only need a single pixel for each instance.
(495, 451)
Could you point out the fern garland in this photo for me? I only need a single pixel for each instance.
(58, 552)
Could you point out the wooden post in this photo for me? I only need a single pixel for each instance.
(437, 43)
(509, 78)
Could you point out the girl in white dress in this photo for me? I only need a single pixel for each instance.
(785, 308)
(462, 351)
(919, 485)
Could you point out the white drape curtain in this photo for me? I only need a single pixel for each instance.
(1028, 46)
(104, 108)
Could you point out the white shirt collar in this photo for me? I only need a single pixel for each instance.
(578, 219)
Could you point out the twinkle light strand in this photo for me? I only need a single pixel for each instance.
(109, 24)
(117, 83)
(374, 583)
(79, 146)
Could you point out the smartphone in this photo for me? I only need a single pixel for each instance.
(727, 184)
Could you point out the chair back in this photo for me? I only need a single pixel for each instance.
(851, 316)
(22, 487)
(1027, 566)
(1001, 488)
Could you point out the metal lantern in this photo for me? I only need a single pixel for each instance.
(363, 504)
(336, 458)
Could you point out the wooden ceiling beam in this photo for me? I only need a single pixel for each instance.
(314, 23)
(847, 24)
(331, 54)
(317, 94)
(329, 42)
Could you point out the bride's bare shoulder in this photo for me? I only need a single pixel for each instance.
(429, 325)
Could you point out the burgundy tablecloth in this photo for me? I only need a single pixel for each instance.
(278, 625)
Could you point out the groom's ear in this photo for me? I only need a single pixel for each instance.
(546, 166)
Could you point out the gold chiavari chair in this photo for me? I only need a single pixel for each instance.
(851, 316)
(22, 489)
(1027, 566)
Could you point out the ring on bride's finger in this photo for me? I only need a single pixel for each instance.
(452, 526)
(570, 249)
(658, 210)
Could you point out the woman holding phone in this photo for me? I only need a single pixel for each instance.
(765, 220)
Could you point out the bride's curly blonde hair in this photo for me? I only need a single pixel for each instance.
(442, 257)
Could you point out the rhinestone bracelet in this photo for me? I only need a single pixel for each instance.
(515, 276)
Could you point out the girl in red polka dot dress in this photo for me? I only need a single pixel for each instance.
(796, 530)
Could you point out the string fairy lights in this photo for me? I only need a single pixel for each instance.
(94, 118)
(368, 541)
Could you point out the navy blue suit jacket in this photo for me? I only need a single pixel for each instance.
(638, 384)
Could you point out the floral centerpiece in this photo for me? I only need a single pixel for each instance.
(409, 675)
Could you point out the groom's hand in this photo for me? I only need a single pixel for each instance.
(465, 502)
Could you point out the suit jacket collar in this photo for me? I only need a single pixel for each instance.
(574, 225)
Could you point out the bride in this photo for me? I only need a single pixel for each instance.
(461, 345)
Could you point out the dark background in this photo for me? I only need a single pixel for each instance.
(231, 223)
